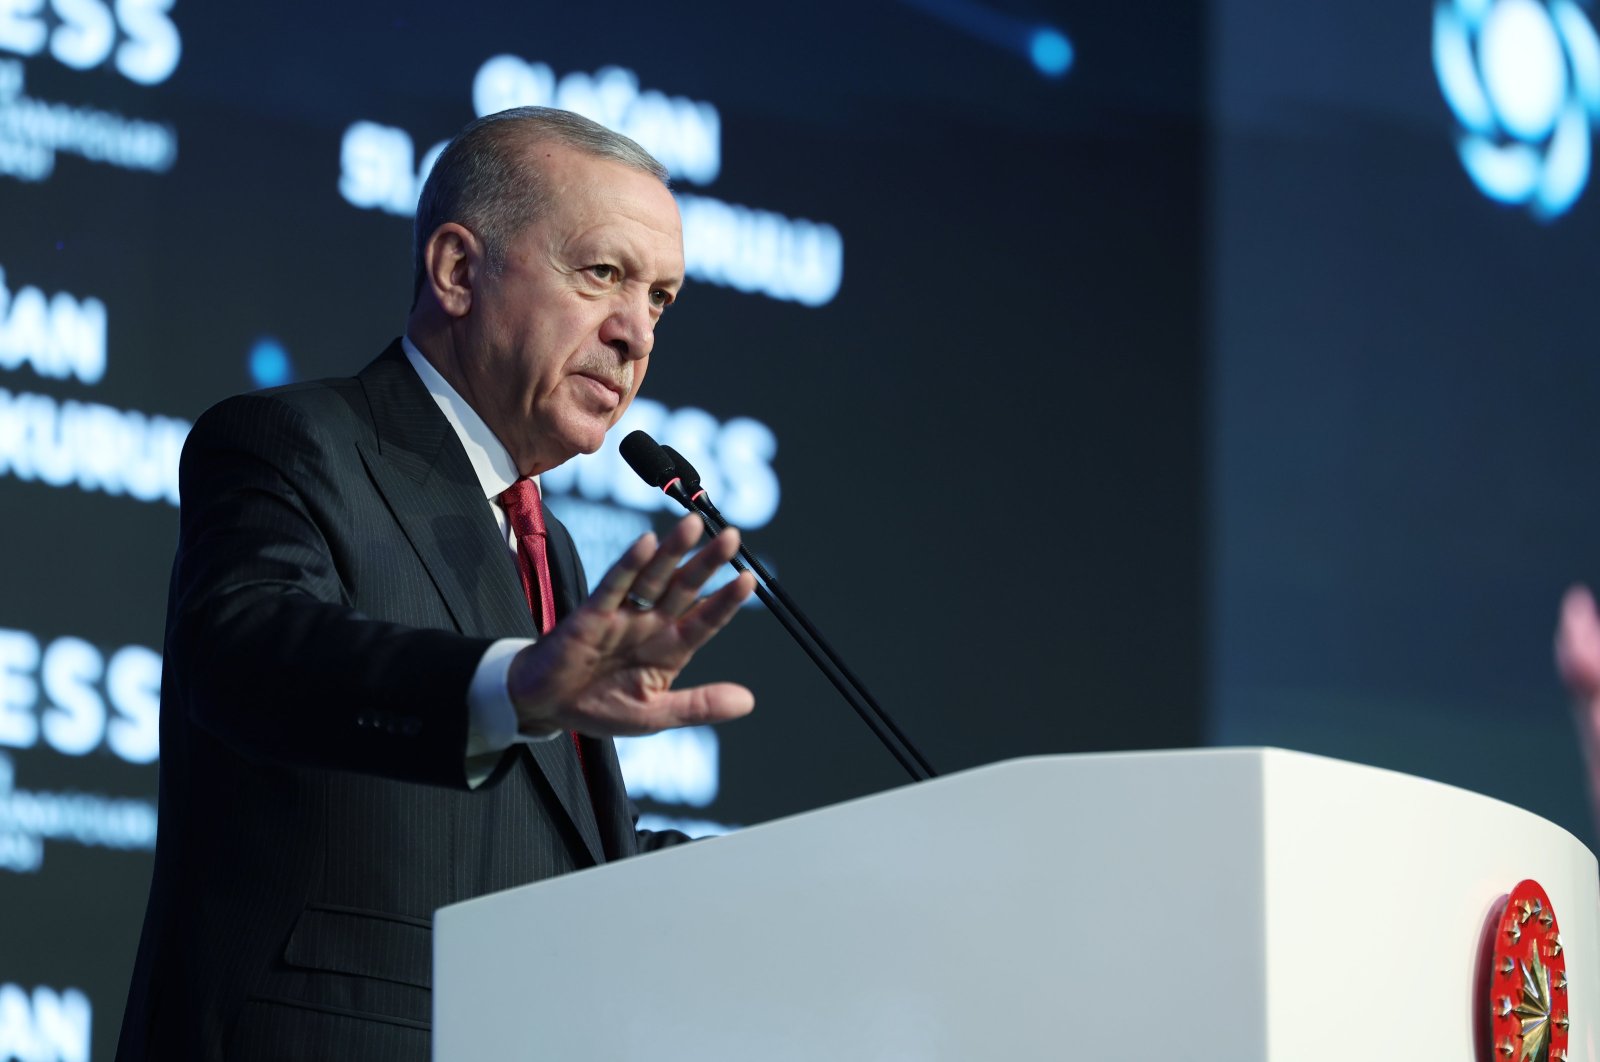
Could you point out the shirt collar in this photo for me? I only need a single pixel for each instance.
(489, 456)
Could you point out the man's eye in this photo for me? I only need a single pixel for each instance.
(660, 298)
(603, 272)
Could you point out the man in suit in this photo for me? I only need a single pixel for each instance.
(366, 711)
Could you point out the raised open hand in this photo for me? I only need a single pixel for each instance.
(607, 669)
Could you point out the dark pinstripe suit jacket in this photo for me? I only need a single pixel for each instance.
(338, 577)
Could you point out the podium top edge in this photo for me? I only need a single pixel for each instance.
(1264, 755)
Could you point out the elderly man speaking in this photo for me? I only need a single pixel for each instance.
(385, 689)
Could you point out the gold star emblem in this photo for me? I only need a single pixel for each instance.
(1524, 988)
(1534, 1011)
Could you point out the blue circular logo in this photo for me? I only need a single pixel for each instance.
(1523, 78)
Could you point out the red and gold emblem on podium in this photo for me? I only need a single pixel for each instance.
(1527, 981)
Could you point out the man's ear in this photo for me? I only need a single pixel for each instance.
(452, 264)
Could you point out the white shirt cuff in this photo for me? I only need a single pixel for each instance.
(491, 718)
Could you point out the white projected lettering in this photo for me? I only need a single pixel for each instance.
(33, 131)
(86, 34)
(44, 1025)
(22, 28)
(75, 720)
(750, 250)
(83, 818)
(133, 682)
(378, 168)
(756, 251)
(684, 135)
(29, 818)
(759, 251)
(734, 459)
(20, 854)
(78, 699)
(90, 446)
(19, 660)
(150, 53)
(56, 336)
(673, 767)
(83, 34)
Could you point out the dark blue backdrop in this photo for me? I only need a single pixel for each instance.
(1196, 393)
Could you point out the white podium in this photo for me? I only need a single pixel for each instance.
(1233, 905)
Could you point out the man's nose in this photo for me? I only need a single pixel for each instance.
(630, 329)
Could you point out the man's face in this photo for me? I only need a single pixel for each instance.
(561, 337)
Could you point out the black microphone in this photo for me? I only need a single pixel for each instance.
(650, 460)
(685, 472)
(700, 502)
(664, 467)
(652, 464)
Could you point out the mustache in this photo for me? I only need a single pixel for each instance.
(602, 367)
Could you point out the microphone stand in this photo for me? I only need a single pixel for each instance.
(844, 680)
(664, 467)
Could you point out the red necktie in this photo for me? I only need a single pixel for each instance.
(521, 502)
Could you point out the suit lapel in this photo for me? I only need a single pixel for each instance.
(612, 807)
(566, 573)
(425, 476)
(427, 479)
(610, 801)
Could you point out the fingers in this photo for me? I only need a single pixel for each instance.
(662, 581)
(713, 613)
(615, 585)
(680, 594)
(611, 671)
(652, 572)
(644, 570)
(715, 702)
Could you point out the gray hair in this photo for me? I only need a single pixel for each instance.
(483, 178)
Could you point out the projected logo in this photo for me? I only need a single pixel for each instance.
(734, 246)
(1523, 78)
(71, 698)
(135, 39)
(65, 442)
(44, 1025)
